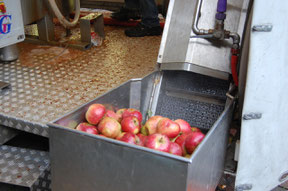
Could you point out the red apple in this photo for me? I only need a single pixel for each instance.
(132, 112)
(180, 140)
(88, 128)
(184, 126)
(120, 136)
(131, 138)
(109, 127)
(168, 127)
(195, 129)
(175, 149)
(130, 124)
(142, 137)
(110, 113)
(158, 142)
(120, 112)
(150, 126)
(192, 141)
(95, 113)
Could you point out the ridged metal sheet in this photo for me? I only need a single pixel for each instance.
(47, 82)
(22, 167)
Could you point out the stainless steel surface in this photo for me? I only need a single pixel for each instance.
(130, 167)
(47, 82)
(208, 160)
(22, 167)
(178, 47)
(33, 10)
(6, 134)
(177, 30)
(102, 165)
(195, 68)
(46, 28)
(9, 53)
(85, 26)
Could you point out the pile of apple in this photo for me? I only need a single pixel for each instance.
(159, 133)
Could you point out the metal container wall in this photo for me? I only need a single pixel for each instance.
(81, 161)
(33, 10)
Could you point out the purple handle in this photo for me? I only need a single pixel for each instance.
(222, 6)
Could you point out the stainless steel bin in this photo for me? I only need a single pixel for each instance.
(81, 161)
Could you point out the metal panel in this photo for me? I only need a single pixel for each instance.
(178, 50)
(208, 159)
(263, 154)
(176, 34)
(33, 10)
(97, 164)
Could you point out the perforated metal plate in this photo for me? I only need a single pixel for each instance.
(193, 97)
(47, 82)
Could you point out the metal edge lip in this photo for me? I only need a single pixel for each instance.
(121, 143)
(213, 128)
(185, 66)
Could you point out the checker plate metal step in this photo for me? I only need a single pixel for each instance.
(25, 168)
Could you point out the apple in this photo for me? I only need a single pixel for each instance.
(150, 127)
(120, 135)
(195, 129)
(142, 137)
(132, 112)
(88, 128)
(192, 141)
(168, 127)
(131, 138)
(175, 149)
(110, 113)
(95, 113)
(184, 126)
(180, 140)
(158, 142)
(109, 127)
(130, 124)
(120, 112)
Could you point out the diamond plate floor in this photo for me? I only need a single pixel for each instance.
(46, 82)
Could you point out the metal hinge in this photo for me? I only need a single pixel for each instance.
(262, 28)
(243, 187)
(250, 116)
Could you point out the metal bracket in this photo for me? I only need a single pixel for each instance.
(250, 116)
(85, 26)
(262, 28)
(243, 187)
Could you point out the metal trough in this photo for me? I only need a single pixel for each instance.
(81, 161)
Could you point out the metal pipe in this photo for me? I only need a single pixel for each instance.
(195, 28)
(61, 18)
(236, 39)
